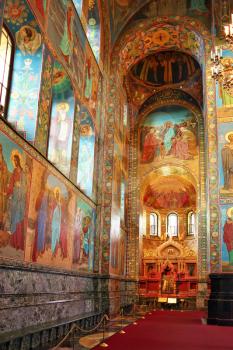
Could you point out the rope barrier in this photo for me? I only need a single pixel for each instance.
(103, 320)
(76, 327)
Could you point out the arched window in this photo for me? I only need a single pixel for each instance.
(6, 57)
(191, 223)
(172, 225)
(154, 224)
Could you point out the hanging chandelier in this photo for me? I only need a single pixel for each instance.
(216, 57)
(228, 29)
(216, 72)
(216, 52)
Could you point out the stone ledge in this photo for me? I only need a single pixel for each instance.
(17, 337)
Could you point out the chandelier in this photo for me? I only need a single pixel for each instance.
(216, 72)
(216, 57)
(216, 52)
(228, 29)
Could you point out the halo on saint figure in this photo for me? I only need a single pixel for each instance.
(63, 106)
(85, 130)
(57, 190)
(14, 153)
(227, 135)
(230, 212)
(28, 39)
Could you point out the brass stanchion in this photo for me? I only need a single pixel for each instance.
(148, 309)
(122, 330)
(134, 311)
(143, 317)
(103, 344)
(154, 305)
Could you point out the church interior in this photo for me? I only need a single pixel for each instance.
(116, 158)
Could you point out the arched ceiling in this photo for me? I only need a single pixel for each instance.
(124, 13)
(164, 69)
(170, 192)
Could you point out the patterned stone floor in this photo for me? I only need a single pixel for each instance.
(90, 341)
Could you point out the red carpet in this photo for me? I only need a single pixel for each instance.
(172, 330)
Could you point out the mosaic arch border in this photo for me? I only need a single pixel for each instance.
(209, 112)
(131, 48)
(201, 185)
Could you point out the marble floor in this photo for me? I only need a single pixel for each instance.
(84, 342)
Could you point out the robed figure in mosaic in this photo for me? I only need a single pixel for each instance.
(16, 192)
(228, 235)
(227, 161)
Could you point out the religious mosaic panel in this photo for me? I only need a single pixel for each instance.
(86, 161)
(25, 86)
(169, 134)
(62, 116)
(225, 139)
(84, 236)
(45, 102)
(92, 79)
(15, 183)
(51, 211)
(227, 237)
(66, 33)
(43, 219)
(166, 67)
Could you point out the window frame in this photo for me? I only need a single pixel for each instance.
(190, 215)
(11, 66)
(156, 233)
(177, 224)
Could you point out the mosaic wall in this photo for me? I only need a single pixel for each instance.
(131, 48)
(38, 75)
(224, 100)
(169, 176)
(65, 56)
(121, 11)
(44, 220)
(26, 78)
(118, 233)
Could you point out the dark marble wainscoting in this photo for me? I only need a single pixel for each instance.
(220, 303)
(38, 306)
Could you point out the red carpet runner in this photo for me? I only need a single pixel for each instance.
(172, 330)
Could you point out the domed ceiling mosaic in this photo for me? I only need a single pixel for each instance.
(165, 68)
(170, 192)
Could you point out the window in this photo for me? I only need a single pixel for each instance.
(154, 223)
(172, 225)
(6, 54)
(191, 223)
